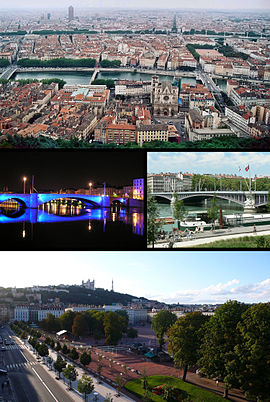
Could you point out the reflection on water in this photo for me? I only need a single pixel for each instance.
(70, 226)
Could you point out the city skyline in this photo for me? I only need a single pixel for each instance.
(56, 170)
(210, 162)
(173, 4)
(215, 277)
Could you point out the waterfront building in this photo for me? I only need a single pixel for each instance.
(138, 189)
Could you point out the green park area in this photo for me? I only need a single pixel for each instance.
(170, 386)
(241, 242)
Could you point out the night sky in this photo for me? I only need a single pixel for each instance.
(54, 170)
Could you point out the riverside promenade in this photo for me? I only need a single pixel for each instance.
(208, 237)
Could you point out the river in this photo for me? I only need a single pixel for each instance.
(83, 78)
(227, 208)
(61, 227)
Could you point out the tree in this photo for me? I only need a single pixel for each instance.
(99, 368)
(119, 381)
(113, 328)
(144, 381)
(57, 347)
(252, 365)
(111, 363)
(80, 326)
(219, 340)
(59, 365)
(185, 337)
(50, 361)
(70, 374)
(66, 320)
(212, 212)
(132, 332)
(85, 385)
(178, 210)
(161, 322)
(43, 350)
(152, 215)
(85, 359)
(73, 354)
(65, 349)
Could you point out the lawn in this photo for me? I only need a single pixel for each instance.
(195, 393)
(241, 242)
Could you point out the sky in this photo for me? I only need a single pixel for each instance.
(154, 4)
(187, 277)
(71, 169)
(210, 162)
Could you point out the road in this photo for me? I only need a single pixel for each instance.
(30, 380)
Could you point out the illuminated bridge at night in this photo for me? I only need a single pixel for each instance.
(259, 198)
(95, 201)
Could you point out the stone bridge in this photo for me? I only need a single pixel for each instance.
(260, 198)
(35, 200)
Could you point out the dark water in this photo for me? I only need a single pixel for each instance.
(57, 227)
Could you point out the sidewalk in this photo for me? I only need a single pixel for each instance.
(216, 235)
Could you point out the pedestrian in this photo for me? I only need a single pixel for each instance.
(254, 229)
(217, 383)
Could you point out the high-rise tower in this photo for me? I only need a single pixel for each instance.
(71, 13)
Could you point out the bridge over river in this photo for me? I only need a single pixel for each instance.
(246, 199)
(95, 201)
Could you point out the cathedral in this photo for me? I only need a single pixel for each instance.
(164, 98)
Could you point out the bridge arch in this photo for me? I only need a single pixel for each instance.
(219, 196)
(163, 197)
(20, 201)
(64, 197)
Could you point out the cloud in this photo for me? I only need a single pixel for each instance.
(209, 162)
(220, 292)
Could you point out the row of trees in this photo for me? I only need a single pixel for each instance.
(60, 62)
(231, 346)
(4, 63)
(109, 83)
(99, 324)
(225, 142)
(67, 32)
(223, 183)
(110, 63)
(229, 52)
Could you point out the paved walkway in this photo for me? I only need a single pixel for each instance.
(219, 234)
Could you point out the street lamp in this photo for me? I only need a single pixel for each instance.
(90, 188)
(24, 180)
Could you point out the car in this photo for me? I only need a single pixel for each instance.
(3, 372)
(3, 349)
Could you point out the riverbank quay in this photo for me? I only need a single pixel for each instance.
(193, 240)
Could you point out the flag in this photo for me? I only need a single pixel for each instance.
(247, 168)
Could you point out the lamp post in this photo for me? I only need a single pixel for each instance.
(90, 188)
(24, 180)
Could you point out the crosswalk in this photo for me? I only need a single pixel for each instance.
(13, 347)
(18, 366)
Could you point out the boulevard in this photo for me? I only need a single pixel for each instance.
(29, 379)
